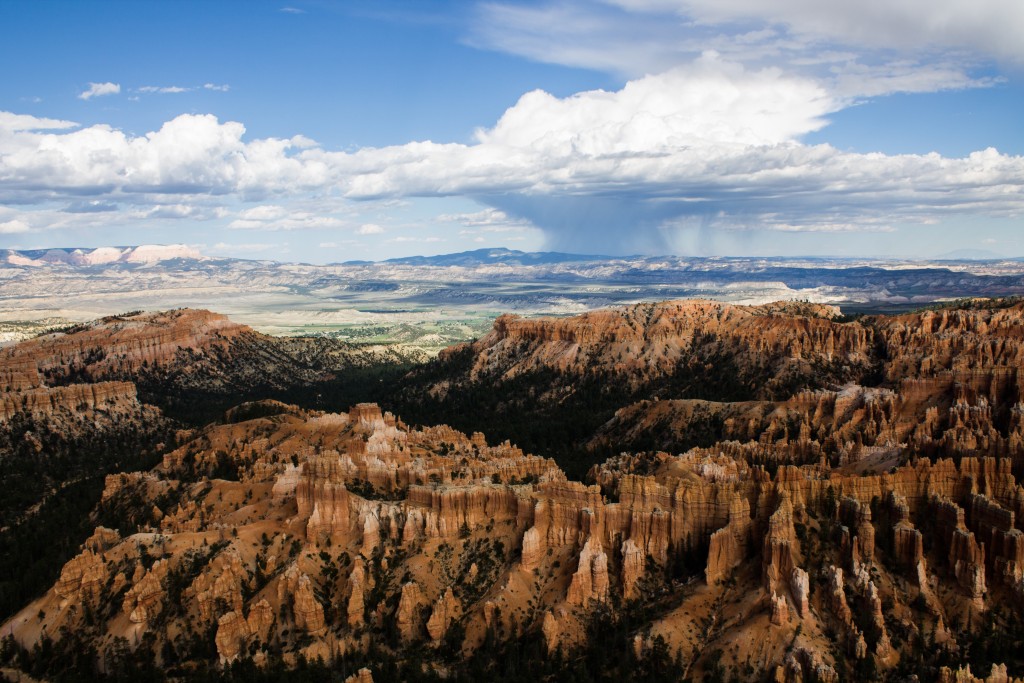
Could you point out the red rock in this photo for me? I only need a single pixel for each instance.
(232, 630)
(799, 584)
(632, 568)
(364, 675)
(779, 609)
(407, 616)
(777, 561)
(357, 581)
(446, 609)
(590, 582)
(144, 600)
(728, 545)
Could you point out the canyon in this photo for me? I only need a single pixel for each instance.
(775, 492)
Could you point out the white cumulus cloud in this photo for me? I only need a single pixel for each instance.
(13, 227)
(98, 90)
(188, 154)
(273, 218)
(25, 122)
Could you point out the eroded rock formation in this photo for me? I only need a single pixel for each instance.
(409, 611)
(868, 516)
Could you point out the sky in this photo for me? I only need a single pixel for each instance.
(324, 131)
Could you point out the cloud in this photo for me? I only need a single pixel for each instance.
(94, 206)
(292, 10)
(163, 90)
(267, 212)
(177, 211)
(711, 143)
(990, 27)
(13, 227)
(822, 223)
(708, 101)
(99, 89)
(855, 81)
(24, 122)
(832, 40)
(177, 89)
(369, 229)
(488, 220)
(711, 140)
(187, 155)
(252, 247)
(403, 239)
(274, 217)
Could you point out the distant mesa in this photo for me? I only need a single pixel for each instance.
(143, 254)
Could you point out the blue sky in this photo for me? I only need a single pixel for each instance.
(325, 131)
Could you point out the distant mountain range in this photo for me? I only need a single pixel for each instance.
(970, 255)
(148, 254)
(155, 253)
(500, 255)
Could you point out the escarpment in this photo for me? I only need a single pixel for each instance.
(79, 400)
(704, 349)
(167, 352)
(191, 363)
(118, 345)
(674, 375)
(642, 341)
